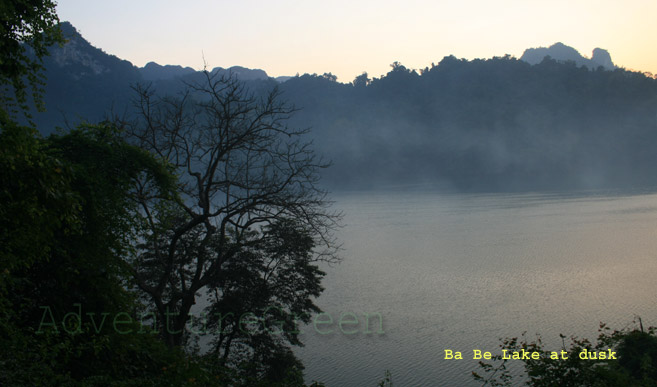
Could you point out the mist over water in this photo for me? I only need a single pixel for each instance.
(460, 271)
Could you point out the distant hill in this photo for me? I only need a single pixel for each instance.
(282, 79)
(499, 124)
(154, 72)
(242, 73)
(85, 83)
(562, 53)
(82, 82)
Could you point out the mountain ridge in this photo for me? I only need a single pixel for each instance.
(482, 124)
(78, 51)
(563, 53)
(153, 71)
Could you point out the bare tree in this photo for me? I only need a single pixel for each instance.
(247, 226)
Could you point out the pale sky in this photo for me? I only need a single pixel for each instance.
(347, 37)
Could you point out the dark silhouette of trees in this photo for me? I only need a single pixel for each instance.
(65, 220)
(362, 80)
(27, 29)
(247, 227)
(497, 124)
(617, 358)
(219, 201)
(330, 77)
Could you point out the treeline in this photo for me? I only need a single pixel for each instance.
(496, 124)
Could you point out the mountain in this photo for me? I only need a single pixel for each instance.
(563, 53)
(154, 72)
(283, 78)
(84, 83)
(79, 58)
(496, 124)
(602, 58)
(242, 73)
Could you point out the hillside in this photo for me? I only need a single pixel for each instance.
(499, 124)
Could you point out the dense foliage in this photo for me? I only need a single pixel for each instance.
(83, 215)
(27, 29)
(70, 223)
(65, 220)
(617, 358)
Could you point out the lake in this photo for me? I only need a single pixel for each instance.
(461, 271)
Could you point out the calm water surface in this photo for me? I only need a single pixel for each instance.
(459, 272)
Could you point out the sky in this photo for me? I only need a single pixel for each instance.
(348, 37)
